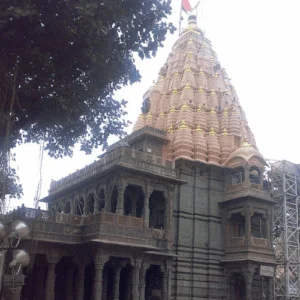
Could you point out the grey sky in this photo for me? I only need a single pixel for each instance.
(257, 42)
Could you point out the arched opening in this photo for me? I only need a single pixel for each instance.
(153, 283)
(67, 208)
(157, 210)
(125, 288)
(64, 279)
(237, 176)
(90, 204)
(108, 280)
(79, 207)
(88, 281)
(59, 208)
(238, 287)
(258, 226)
(255, 175)
(114, 199)
(101, 197)
(237, 222)
(35, 279)
(133, 201)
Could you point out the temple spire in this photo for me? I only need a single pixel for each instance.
(195, 103)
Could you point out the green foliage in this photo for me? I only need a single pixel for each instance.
(61, 61)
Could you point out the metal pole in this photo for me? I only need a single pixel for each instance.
(180, 18)
(2, 266)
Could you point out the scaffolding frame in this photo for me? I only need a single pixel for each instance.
(283, 176)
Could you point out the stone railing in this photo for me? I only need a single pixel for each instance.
(233, 191)
(241, 242)
(236, 242)
(102, 227)
(132, 136)
(259, 242)
(123, 156)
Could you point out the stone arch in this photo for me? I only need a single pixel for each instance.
(157, 209)
(255, 175)
(35, 278)
(237, 225)
(67, 207)
(125, 286)
(134, 201)
(154, 283)
(237, 287)
(237, 175)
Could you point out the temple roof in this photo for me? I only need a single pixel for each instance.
(194, 101)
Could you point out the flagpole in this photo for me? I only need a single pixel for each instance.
(180, 17)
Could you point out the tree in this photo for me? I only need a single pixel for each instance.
(61, 62)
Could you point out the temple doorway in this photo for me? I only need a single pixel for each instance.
(239, 287)
(125, 287)
(88, 281)
(153, 283)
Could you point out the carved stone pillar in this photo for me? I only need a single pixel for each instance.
(142, 282)
(52, 258)
(171, 193)
(228, 276)
(72, 206)
(117, 272)
(247, 174)
(166, 280)
(85, 205)
(165, 286)
(247, 213)
(80, 281)
(248, 275)
(136, 278)
(167, 212)
(268, 225)
(99, 261)
(120, 200)
(148, 192)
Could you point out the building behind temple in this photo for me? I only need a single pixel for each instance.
(179, 209)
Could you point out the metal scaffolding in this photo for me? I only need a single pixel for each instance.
(284, 177)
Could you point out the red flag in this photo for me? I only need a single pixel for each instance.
(186, 6)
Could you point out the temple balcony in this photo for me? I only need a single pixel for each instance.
(119, 157)
(103, 227)
(248, 231)
(243, 189)
(242, 243)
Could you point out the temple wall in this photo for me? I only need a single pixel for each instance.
(198, 241)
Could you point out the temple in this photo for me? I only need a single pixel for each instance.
(179, 209)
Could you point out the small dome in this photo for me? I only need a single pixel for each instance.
(243, 155)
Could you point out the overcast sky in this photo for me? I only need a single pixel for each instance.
(257, 42)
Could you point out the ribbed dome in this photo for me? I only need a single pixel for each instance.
(194, 91)
(245, 154)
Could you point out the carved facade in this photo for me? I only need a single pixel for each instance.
(177, 210)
